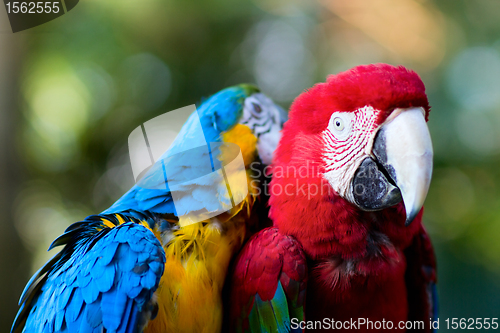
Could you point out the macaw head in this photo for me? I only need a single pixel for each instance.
(364, 134)
(265, 119)
(245, 116)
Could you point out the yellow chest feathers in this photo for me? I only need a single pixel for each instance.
(189, 294)
(242, 135)
(197, 260)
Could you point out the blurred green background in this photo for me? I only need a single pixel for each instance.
(73, 89)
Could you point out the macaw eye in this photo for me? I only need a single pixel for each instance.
(256, 107)
(338, 124)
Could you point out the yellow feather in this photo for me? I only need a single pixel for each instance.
(242, 135)
(107, 223)
(189, 295)
(197, 260)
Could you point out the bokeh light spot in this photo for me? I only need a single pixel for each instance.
(474, 78)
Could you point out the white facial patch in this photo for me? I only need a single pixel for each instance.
(348, 141)
(263, 118)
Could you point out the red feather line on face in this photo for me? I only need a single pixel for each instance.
(364, 126)
(342, 156)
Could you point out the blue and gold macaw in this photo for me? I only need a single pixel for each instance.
(134, 268)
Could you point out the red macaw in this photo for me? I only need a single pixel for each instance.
(347, 249)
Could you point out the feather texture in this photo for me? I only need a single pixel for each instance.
(91, 285)
(133, 268)
(360, 264)
(268, 288)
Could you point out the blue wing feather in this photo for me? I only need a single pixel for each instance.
(121, 266)
(218, 113)
(94, 285)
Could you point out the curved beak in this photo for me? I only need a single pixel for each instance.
(403, 147)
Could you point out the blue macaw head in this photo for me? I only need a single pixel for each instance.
(240, 115)
(244, 104)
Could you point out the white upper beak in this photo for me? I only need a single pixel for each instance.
(409, 154)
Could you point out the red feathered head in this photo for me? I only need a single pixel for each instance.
(361, 139)
(381, 86)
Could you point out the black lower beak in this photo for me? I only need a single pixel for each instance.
(372, 188)
(400, 166)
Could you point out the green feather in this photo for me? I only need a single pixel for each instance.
(272, 315)
(254, 320)
(266, 315)
(249, 89)
(280, 307)
(296, 309)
